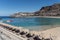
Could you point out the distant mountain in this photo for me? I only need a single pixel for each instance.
(22, 14)
(53, 10)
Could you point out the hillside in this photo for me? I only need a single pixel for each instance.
(52, 10)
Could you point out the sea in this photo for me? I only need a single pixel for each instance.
(32, 23)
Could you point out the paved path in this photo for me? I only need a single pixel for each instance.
(7, 35)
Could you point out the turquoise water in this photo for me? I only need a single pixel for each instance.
(34, 22)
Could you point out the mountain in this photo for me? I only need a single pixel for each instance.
(52, 10)
(22, 14)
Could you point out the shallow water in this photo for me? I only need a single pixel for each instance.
(33, 23)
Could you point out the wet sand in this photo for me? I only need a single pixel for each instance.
(41, 28)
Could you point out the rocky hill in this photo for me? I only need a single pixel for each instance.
(22, 14)
(52, 10)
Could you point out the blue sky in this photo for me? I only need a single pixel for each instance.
(8, 7)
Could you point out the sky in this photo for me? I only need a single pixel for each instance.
(9, 7)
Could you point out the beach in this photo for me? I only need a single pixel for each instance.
(40, 17)
(53, 33)
(49, 33)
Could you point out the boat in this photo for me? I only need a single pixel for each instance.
(9, 20)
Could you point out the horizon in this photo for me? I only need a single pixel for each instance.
(9, 7)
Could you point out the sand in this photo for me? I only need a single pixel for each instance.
(53, 33)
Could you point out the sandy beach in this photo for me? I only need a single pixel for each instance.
(48, 16)
(49, 33)
(53, 33)
(41, 16)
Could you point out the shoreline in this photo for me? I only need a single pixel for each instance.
(33, 28)
(50, 16)
(38, 16)
(39, 28)
(53, 32)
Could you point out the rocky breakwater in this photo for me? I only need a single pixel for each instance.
(25, 34)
